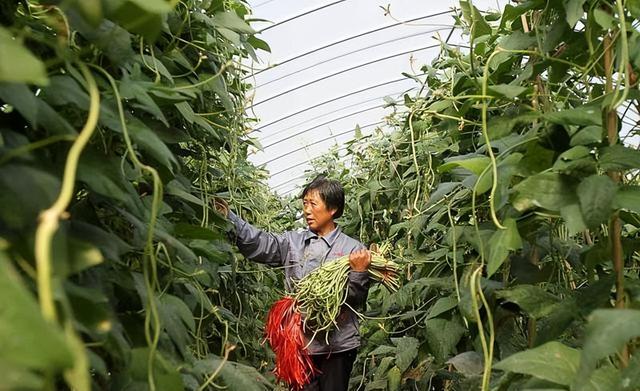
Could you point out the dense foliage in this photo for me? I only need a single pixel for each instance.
(508, 191)
(505, 188)
(120, 120)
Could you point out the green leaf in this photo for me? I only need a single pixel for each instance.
(618, 157)
(167, 377)
(230, 35)
(512, 13)
(634, 7)
(606, 378)
(630, 376)
(90, 307)
(140, 16)
(441, 191)
(184, 230)
(574, 10)
(382, 368)
(407, 351)
(152, 144)
(177, 319)
(606, 332)
(90, 9)
(604, 19)
(556, 34)
(507, 90)
(577, 160)
(17, 64)
(104, 176)
(533, 300)
(553, 326)
(37, 112)
(260, 44)
(231, 21)
(501, 243)
(572, 154)
(474, 163)
(176, 189)
(394, 378)
(588, 135)
(15, 377)
(552, 361)
(131, 89)
(467, 363)
(535, 160)
(383, 350)
(573, 219)
(71, 255)
(234, 375)
(111, 246)
(582, 115)
(437, 106)
(596, 194)
(26, 191)
(628, 198)
(517, 40)
(23, 330)
(63, 90)
(380, 384)
(442, 336)
(547, 190)
(113, 40)
(444, 304)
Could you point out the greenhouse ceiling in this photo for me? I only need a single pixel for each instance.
(331, 64)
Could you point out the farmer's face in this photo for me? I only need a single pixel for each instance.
(319, 218)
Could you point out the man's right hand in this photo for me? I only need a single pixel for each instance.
(221, 206)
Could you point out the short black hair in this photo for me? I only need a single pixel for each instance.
(331, 192)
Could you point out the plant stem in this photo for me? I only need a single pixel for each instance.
(149, 266)
(615, 226)
(415, 162)
(49, 218)
(485, 134)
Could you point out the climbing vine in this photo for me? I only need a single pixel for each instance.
(121, 120)
(511, 192)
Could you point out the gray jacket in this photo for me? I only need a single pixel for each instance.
(300, 252)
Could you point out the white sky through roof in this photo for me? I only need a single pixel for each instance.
(298, 120)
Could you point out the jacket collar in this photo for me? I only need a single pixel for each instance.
(329, 238)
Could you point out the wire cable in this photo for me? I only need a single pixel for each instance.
(343, 71)
(270, 135)
(323, 124)
(279, 185)
(334, 100)
(353, 52)
(302, 163)
(349, 39)
(322, 140)
(301, 15)
(263, 3)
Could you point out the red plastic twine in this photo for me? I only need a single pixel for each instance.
(286, 337)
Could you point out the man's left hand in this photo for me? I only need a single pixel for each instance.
(360, 260)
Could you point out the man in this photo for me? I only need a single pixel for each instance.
(300, 252)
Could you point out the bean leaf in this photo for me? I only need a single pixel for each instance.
(596, 194)
(552, 361)
(18, 64)
(501, 243)
(607, 331)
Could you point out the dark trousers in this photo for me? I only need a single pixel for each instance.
(335, 371)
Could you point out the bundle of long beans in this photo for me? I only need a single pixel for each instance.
(314, 306)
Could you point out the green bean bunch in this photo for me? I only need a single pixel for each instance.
(321, 293)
